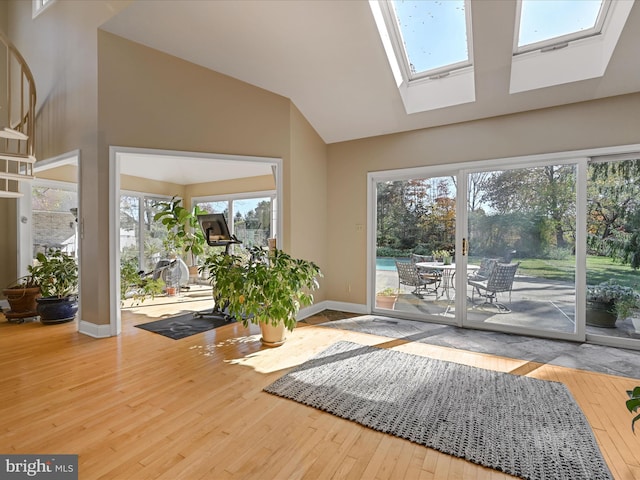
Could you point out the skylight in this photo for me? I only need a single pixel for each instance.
(434, 35)
(555, 22)
(562, 41)
(428, 46)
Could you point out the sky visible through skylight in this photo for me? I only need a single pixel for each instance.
(544, 19)
(434, 32)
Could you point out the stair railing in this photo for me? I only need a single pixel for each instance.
(17, 120)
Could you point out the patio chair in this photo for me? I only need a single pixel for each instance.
(500, 280)
(426, 272)
(484, 272)
(408, 275)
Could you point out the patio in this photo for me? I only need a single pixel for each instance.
(535, 303)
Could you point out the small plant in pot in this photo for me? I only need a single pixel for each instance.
(184, 233)
(633, 404)
(267, 288)
(386, 298)
(21, 295)
(608, 302)
(57, 274)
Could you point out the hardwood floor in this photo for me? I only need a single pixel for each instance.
(142, 406)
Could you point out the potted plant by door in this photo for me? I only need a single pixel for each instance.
(184, 233)
(266, 288)
(21, 295)
(57, 274)
(608, 302)
(386, 298)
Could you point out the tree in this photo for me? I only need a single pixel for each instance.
(613, 221)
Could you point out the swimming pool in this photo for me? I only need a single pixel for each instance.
(386, 263)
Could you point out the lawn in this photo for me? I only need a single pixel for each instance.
(599, 269)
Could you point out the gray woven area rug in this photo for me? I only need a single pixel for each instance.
(522, 426)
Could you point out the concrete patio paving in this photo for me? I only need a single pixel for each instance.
(535, 303)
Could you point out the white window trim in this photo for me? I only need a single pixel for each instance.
(40, 6)
(230, 198)
(580, 60)
(438, 88)
(560, 40)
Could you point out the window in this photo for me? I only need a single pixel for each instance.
(429, 49)
(250, 217)
(434, 35)
(547, 24)
(40, 6)
(141, 237)
(564, 41)
(54, 209)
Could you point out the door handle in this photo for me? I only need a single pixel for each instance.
(465, 247)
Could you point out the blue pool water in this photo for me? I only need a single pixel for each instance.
(386, 263)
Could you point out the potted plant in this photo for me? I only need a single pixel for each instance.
(57, 274)
(21, 295)
(265, 288)
(609, 301)
(135, 286)
(184, 233)
(633, 404)
(386, 298)
(443, 256)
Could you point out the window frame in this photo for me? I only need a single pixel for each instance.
(561, 41)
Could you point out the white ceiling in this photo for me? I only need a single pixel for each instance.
(185, 170)
(327, 57)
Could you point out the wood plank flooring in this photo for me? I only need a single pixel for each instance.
(142, 406)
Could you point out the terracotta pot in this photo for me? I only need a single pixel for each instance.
(600, 314)
(273, 336)
(385, 301)
(171, 291)
(22, 302)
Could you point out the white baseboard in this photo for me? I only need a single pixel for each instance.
(331, 305)
(93, 330)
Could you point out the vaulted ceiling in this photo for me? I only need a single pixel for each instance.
(327, 57)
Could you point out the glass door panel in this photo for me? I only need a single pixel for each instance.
(54, 219)
(613, 250)
(415, 239)
(522, 238)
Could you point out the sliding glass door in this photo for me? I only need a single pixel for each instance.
(521, 246)
(415, 246)
(489, 249)
(521, 231)
(613, 251)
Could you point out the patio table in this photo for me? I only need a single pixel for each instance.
(448, 273)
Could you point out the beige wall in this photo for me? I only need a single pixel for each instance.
(96, 90)
(153, 100)
(146, 185)
(308, 195)
(259, 183)
(601, 123)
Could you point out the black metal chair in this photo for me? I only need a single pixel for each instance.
(500, 280)
(409, 276)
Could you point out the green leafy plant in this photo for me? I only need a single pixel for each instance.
(134, 286)
(56, 272)
(264, 287)
(621, 298)
(388, 292)
(633, 404)
(184, 233)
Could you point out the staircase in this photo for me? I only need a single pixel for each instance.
(17, 120)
